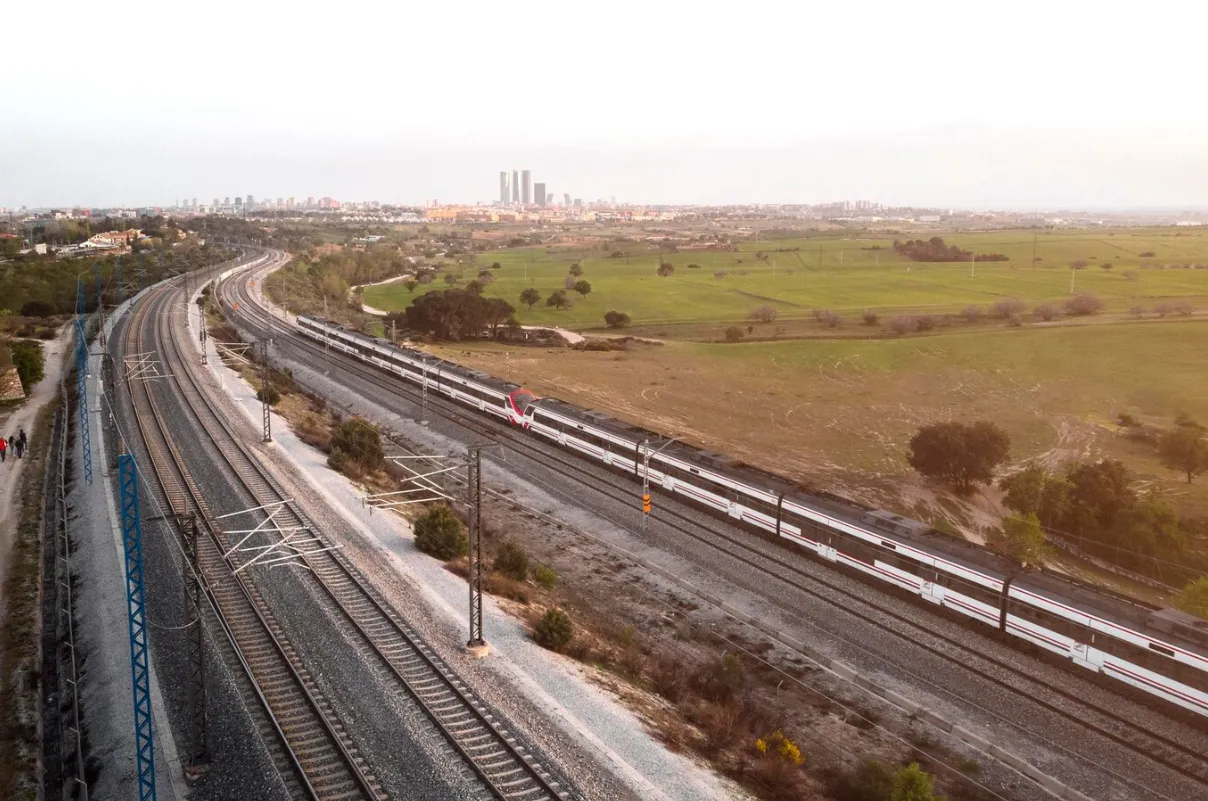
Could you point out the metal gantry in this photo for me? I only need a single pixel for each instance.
(199, 751)
(140, 678)
(266, 388)
(474, 504)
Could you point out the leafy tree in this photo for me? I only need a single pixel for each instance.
(665, 269)
(1185, 450)
(616, 319)
(569, 282)
(1007, 308)
(733, 334)
(902, 324)
(438, 533)
(1034, 491)
(559, 300)
(554, 631)
(934, 249)
(27, 358)
(912, 783)
(870, 318)
(1045, 311)
(454, 314)
(1098, 494)
(530, 297)
(511, 561)
(1193, 599)
(496, 265)
(411, 285)
(576, 269)
(582, 287)
(959, 454)
(1024, 540)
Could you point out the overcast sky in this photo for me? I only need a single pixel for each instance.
(1023, 104)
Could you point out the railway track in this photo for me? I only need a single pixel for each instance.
(1190, 762)
(311, 739)
(495, 754)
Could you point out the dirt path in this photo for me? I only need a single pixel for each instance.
(12, 422)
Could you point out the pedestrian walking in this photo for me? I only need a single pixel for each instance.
(3, 449)
(12, 443)
(24, 440)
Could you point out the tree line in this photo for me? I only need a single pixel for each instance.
(934, 249)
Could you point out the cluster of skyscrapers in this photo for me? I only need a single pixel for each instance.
(517, 189)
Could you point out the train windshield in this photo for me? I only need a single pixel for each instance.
(521, 399)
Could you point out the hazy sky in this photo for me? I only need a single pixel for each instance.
(968, 104)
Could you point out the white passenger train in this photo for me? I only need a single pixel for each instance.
(1161, 652)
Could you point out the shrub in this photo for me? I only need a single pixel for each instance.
(37, 308)
(1183, 308)
(576, 269)
(733, 334)
(1079, 264)
(665, 269)
(1107, 265)
(832, 319)
(720, 273)
(777, 745)
(870, 318)
(438, 533)
(28, 359)
(972, 313)
(511, 561)
(764, 314)
(1137, 311)
(554, 631)
(269, 394)
(1126, 420)
(1045, 311)
(1083, 304)
(545, 577)
(871, 781)
(1007, 307)
(357, 441)
(1146, 254)
(1163, 309)
(901, 324)
(721, 680)
(693, 266)
(926, 322)
(912, 783)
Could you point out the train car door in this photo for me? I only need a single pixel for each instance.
(932, 592)
(1086, 656)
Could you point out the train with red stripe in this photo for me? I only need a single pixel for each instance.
(1159, 651)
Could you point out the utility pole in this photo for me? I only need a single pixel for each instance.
(265, 388)
(199, 752)
(476, 644)
(423, 420)
(1073, 272)
(973, 266)
(326, 339)
(646, 452)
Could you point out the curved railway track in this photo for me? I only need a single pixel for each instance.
(1188, 761)
(495, 754)
(327, 764)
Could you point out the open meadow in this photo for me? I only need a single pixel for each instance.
(1124, 268)
(838, 413)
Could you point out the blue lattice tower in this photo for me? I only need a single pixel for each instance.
(81, 345)
(140, 678)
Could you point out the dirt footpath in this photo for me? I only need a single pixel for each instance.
(11, 422)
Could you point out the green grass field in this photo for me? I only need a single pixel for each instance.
(842, 274)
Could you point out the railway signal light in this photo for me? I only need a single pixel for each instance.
(646, 503)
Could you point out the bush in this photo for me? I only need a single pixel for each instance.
(1007, 308)
(1107, 265)
(554, 631)
(1146, 254)
(1137, 311)
(721, 680)
(545, 577)
(37, 308)
(972, 313)
(511, 561)
(720, 273)
(870, 318)
(27, 358)
(733, 334)
(764, 314)
(832, 319)
(359, 442)
(1083, 304)
(872, 781)
(1163, 309)
(273, 395)
(665, 269)
(902, 324)
(926, 322)
(693, 266)
(1045, 311)
(777, 745)
(1183, 308)
(1126, 420)
(438, 533)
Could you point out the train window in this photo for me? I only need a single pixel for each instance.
(1161, 649)
(887, 544)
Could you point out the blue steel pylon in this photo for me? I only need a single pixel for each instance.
(81, 337)
(140, 678)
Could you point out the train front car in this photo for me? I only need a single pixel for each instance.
(519, 401)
